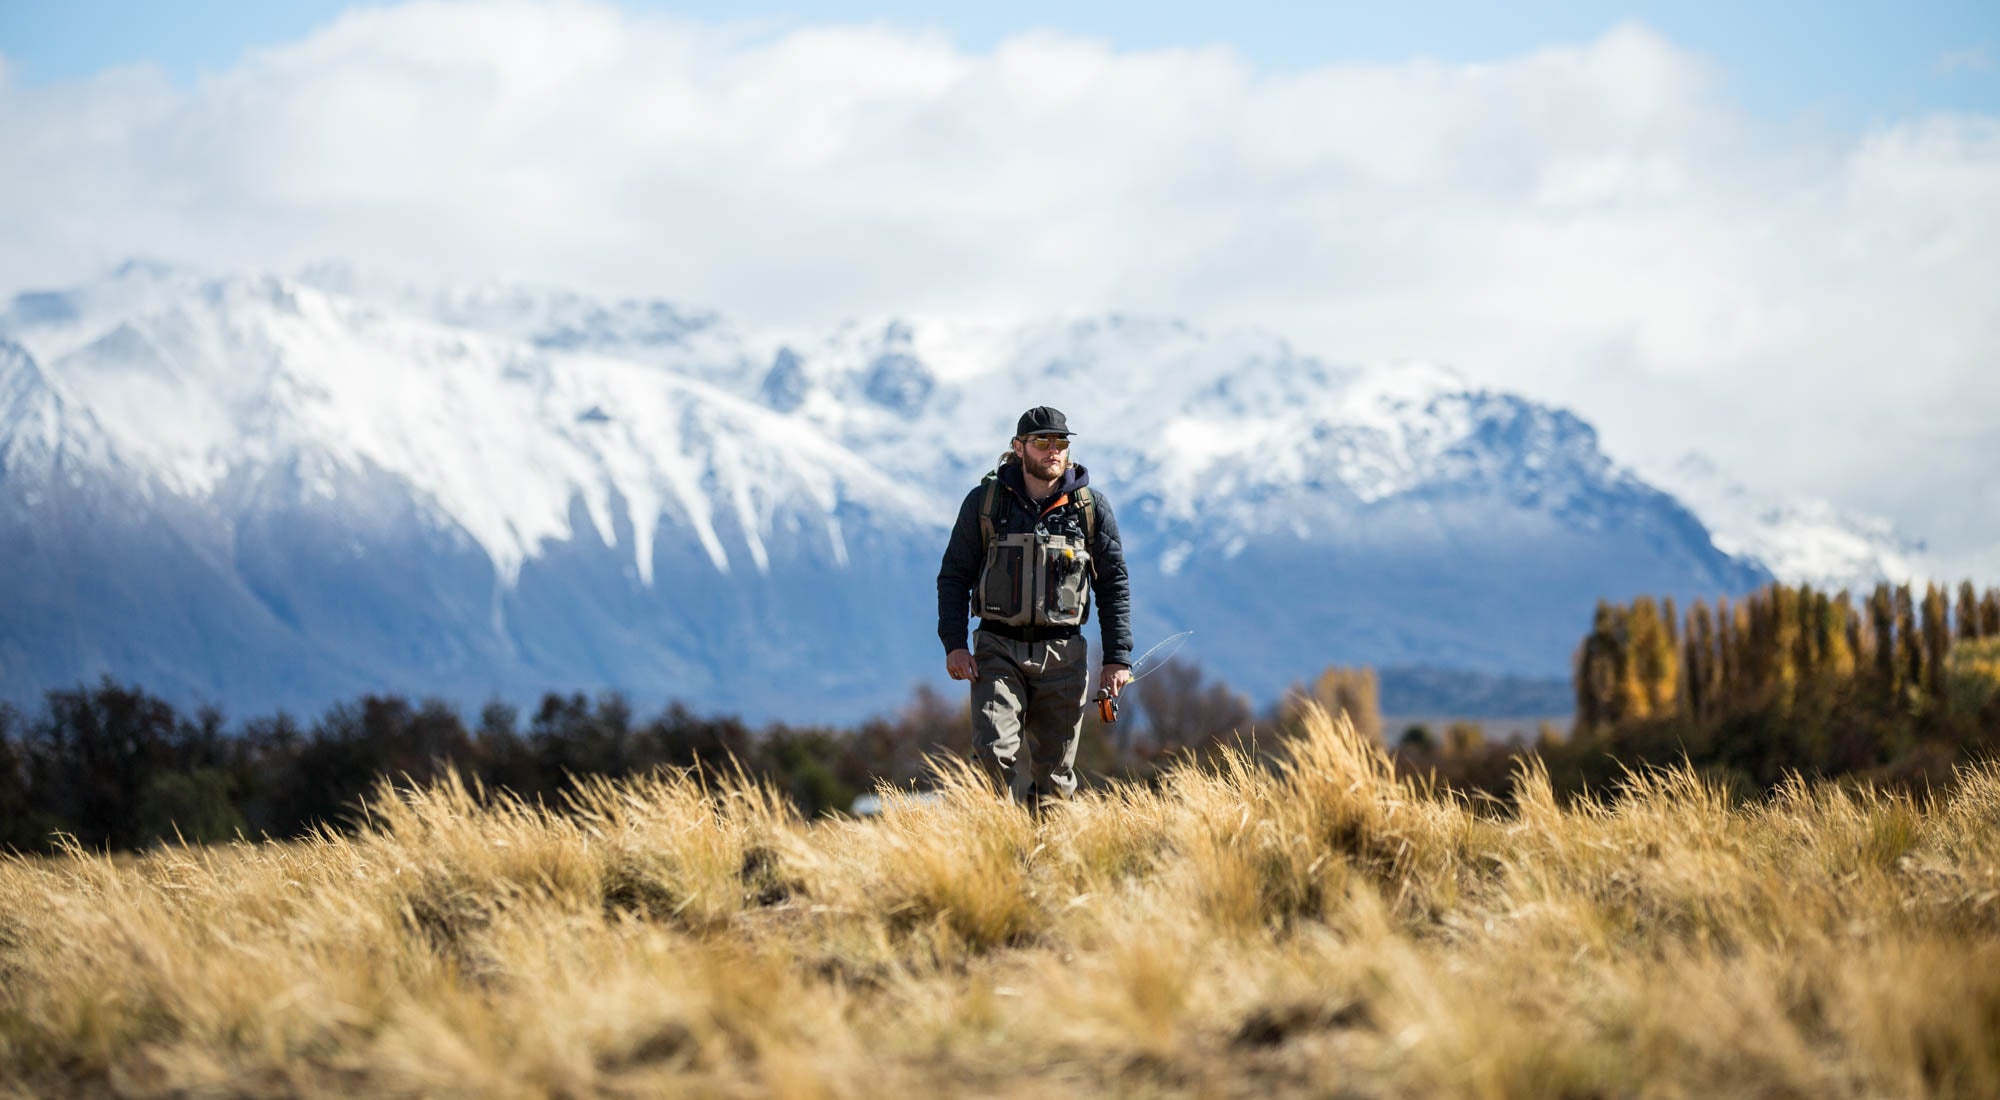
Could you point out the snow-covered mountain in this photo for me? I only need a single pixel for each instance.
(279, 491)
(1801, 541)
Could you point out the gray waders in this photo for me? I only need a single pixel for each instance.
(1027, 713)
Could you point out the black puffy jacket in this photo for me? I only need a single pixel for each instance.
(965, 554)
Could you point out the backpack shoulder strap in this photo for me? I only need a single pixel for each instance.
(1087, 500)
(986, 504)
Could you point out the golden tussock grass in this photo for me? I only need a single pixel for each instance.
(1320, 927)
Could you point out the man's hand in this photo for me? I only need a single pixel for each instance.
(960, 665)
(1113, 678)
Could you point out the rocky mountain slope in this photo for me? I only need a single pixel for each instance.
(1801, 541)
(271, 490)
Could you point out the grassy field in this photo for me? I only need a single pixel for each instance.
(1318, 929)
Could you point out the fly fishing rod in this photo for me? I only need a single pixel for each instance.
(1147, 664)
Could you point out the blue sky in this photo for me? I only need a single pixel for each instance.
(1849, 64)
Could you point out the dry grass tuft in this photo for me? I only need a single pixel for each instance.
(1313, 927)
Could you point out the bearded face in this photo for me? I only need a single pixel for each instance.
(1043, 456)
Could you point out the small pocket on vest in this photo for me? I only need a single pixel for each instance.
(1066, 567)
(1003, 582)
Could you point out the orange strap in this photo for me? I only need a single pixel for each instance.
(1056, 503)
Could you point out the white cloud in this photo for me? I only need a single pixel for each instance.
(1974, 60)
(1595, 224)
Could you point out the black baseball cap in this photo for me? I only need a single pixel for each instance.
(1042, 420)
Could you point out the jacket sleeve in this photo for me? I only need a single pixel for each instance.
(957, 573)
(1114, 593)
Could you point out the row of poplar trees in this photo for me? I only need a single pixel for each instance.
(1775, 648)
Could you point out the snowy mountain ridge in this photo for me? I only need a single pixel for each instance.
(482, 400)
(1164, 401)
(1171, 411)
(314, 485)
(193, 382)
(1803, 540)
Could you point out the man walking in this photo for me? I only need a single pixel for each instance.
(1032, 544)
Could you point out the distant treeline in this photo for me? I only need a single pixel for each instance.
(112, 766)
(1898, 689)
